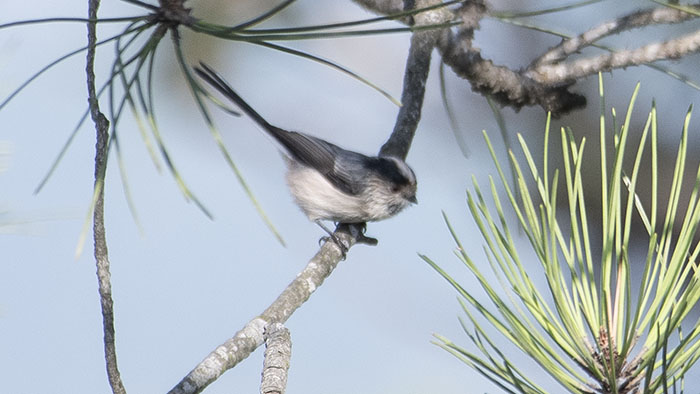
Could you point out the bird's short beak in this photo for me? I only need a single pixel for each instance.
(413, 200)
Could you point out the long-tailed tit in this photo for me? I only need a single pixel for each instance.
(327, 181)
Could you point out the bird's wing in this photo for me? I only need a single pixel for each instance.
(309, 151)
(328, 159)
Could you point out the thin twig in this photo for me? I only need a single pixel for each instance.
(278, 352)
(547, 85)
(415, 76)
(643, 18)
(101, 256)
(383, 6)
(245, 341)
(671, 49)
(504, 85)
(320, 267)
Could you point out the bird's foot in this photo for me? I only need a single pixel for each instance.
(342, 246)
(358, 231)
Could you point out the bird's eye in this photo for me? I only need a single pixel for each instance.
(395, 189)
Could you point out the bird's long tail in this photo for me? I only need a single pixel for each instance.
(215, 80)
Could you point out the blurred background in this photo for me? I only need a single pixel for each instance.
(183, 284)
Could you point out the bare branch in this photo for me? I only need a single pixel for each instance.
(672, 49)
(506, 86)
(546, 85)
(320, 267)
(382, 6)
(236, 349)
(417, 68)
(654, 16)
(100, 240)
(278, 352)
(175, 12)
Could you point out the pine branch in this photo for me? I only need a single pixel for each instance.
(100, 240)
(543, 83)
(250, 337)
(639, 19)
(244, 342)
(671, 49)
(278, 352)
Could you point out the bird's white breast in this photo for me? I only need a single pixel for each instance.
(320, 200)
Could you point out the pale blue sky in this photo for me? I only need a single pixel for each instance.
(184, 284)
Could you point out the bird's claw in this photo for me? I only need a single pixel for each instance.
(360, 235)
(363, 239)
(343, 248)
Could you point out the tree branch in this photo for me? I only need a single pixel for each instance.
(234, 350)
(100, 240)
(543, 83)
(278, 352)
(654, 16)
(382, 6)
(672, 49)
(237, 348)
(506, 86)
(417, 68)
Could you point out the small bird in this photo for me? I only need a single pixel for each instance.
(327, 181)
